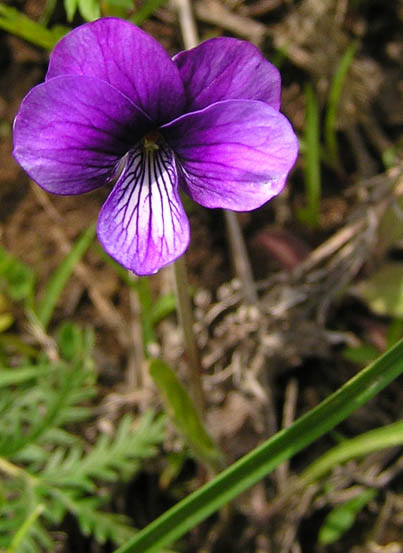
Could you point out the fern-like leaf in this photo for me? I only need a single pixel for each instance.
(33, 414)
(20, 526)
(102, 525)
(111, 458)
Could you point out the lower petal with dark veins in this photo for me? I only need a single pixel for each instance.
(143, 224)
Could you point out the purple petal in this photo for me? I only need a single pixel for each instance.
(70, 132)
(143, 224)
(234, 154)
(127, 58)
(227, 69)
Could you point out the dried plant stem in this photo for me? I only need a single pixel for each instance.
(289, 411)
(12, 470)
(187, 24)
(186, 319)
(235, 237)
(238, 248)
(190, 40)
(240, 257)
(137, 375)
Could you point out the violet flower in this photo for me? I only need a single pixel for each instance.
(116, 109)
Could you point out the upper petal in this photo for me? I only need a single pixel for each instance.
(234, 154)
(143, 224)
(127, 58)
(227, 69)
(70, 132)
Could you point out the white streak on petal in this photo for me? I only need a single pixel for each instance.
(142, 223)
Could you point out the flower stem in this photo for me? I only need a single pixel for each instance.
(240, 257)
(237, 243)
(184, 308)
(187, 24)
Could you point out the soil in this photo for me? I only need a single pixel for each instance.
(258, 365)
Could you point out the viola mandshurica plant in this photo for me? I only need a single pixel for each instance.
(116, 110)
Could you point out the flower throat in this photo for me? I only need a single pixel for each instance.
(152, 141)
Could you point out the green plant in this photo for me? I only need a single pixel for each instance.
(48, 469)
(254, 466)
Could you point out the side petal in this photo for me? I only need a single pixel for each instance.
(234, 154)
(127, 58)
(143, 224)
(227, 69)
(70, 132)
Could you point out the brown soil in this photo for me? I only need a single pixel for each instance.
(255, 362)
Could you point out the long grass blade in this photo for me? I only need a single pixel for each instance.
(61, 275)
(146, 10)
(254, 466)
(333, 102)
(18, 24)
(310, 213)
(180, 407)
(374, 440)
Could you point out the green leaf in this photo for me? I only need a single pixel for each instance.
(387, 436)
(61, 275)
(103, 526)
(111, 458)
(342, 517)
(12, 377)
(70, 7)
(20, 525)
(127, 4)
(25, 528)
(335, 91)
(148, 7)
(28, 415)
(16, 23)
(89, 9)
(395, 332)
(362, 354)
(257, 464)
(383, 291)
(180, 407)
(70, 340)
(310, 213)
(17, 278)
(162, 307)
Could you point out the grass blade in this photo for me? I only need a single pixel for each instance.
(310, 213)
(146, 11)
(342, 517)
(374, 440)
(333, 103)
(180, 407)
(61, 275)
(254, 466)
(12, 21)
